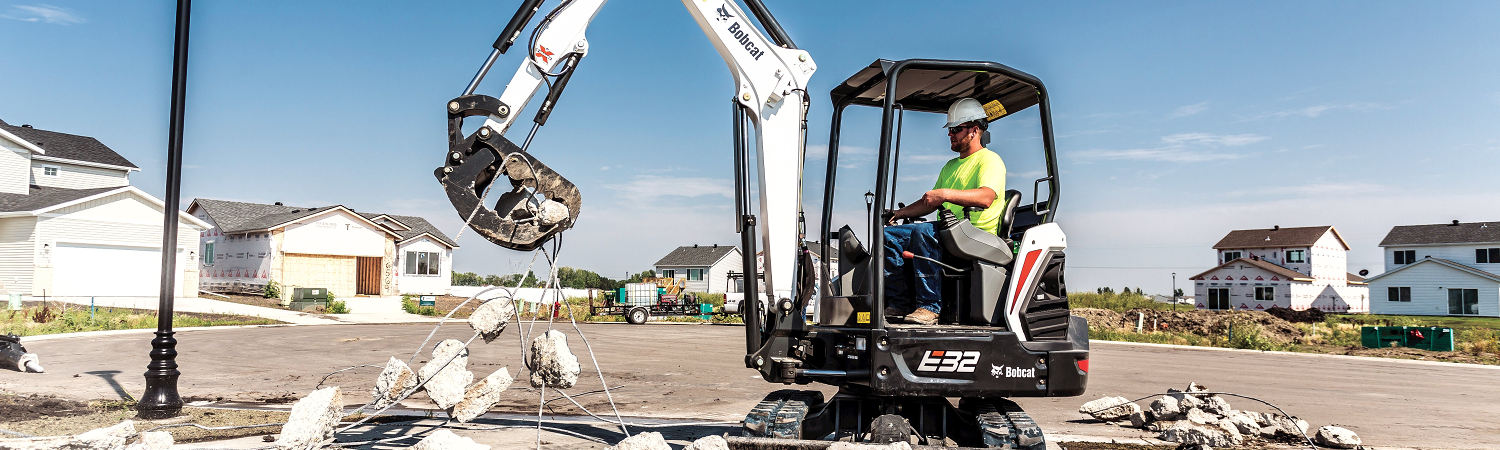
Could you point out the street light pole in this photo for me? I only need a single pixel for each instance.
(1174, 291)
(161, 399)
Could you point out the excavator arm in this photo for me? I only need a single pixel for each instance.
(770, 75)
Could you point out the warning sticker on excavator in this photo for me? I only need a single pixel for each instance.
(862, 317)
(994, 110)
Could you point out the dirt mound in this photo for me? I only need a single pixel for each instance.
(1100, 318)
(1291, 315)
(1198, 322)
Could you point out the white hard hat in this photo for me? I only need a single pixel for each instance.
(965, 110)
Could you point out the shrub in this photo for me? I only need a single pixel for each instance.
(410, 306)
(337, 307)
(273, 289)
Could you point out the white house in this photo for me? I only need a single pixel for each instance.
(1440, 269)
(248, 245)
(705, 268)
(72, 226)
(1296, 268)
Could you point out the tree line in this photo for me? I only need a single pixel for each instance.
(567, 277)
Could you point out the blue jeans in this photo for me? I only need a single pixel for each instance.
(913, 283)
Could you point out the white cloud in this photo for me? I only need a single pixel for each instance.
(43, 13)
(1315, 111)
(1188, 110)
(1180, 147)
(655, 187)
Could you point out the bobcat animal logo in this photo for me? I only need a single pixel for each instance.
(724, 13)
(996, 371)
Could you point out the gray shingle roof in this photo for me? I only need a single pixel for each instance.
(42, 197)
(1443, 233)
(695, 255)
(1276, 237)
(69, 146)
(1261, 264)
(235, 217)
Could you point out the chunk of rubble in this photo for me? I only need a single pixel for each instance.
(1279, 426)
(1201, 417)
(1110, 409)
(396, 381)
(552, 364)
(446, 387)
(1243, 421)
(1216, 405)
(1160, 425)
(1140, 419)
(1336, 437)
(102, 438)
(481, 396)
(152, 440)
(1213, 435)
(491, 317)
(312, 420)
(714, 442)
(644, 441)
(1166, 408)
(446, 440)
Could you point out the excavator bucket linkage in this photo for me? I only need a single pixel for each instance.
(539, 204)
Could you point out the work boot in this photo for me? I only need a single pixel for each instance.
(923, 316)
(891, 311)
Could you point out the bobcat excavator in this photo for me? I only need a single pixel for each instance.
(1006, 329)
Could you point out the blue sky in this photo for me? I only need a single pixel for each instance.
(1176, 121)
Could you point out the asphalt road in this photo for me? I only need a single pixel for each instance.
(696, 371)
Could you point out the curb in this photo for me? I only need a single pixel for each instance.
(1310, 355)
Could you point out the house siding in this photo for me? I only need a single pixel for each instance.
(72, 176)
(14, 162)
(1429, 285)
(717, 278)
(1242, 292)
(1462, 254)
(17, 248)
(339, 234)
(120, 219)
(424, 284)
(1326, 262)
(335, 273)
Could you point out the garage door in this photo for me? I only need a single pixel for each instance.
(101, 270)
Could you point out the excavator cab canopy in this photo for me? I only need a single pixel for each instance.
(930, 85)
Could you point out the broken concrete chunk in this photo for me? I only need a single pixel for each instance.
(714, 442)
(152, 440)
(1185, 432)
(1200, 417)
(1193, 386)
(491, 317)
(1140, 419)
(1216, 404)
(552, 212)
(552, 364)
(1110, 409)
(446, 440)
(1280, 426)
(644, 441)
(1336, 437)
(1244, 422)
(395, 381)
(1160, 425)
(312, 420)
(446, 387)
(1166, 408)
(481, 396)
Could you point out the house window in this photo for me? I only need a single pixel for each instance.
(695, 275)
(1218, 298)
(1399, 294)
(1487, 255)
(423, 263)
(1406, 256)
(50, 171)
(1296, 256)
(208, 254)
(1463, 301)
(1265, 294)
(1231, 256)
(668, 273)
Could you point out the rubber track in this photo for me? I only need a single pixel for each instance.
(780, 414)
(1005, 426)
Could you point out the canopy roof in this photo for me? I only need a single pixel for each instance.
(932, 85)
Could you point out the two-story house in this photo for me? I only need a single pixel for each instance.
(249, 245)
(72, 226)
(1441, 269)
(705, 268)
(1297, 268)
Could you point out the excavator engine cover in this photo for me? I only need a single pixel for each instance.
(539, 204)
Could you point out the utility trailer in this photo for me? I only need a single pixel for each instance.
(637, 302)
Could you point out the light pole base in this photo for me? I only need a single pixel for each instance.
(161, 400)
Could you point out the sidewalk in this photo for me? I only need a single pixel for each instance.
(204, 305)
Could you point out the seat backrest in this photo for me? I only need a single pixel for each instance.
(1008, 215)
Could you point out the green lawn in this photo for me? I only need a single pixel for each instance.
(1419, 321)
(36, 319)
(1116, 302)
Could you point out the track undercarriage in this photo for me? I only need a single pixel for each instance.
(793, 419)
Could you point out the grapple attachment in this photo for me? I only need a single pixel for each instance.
(539, 203)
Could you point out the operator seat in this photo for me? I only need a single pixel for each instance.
(980, 287)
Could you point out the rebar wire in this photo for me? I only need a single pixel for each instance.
(346, 369)
(205, 427)
(622, 422)
(1200, 393)
(16, 433)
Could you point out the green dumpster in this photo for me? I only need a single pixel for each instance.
(1426, 338)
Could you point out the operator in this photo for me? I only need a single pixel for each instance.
(974, 178)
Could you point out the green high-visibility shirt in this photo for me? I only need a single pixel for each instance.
(983, 168)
